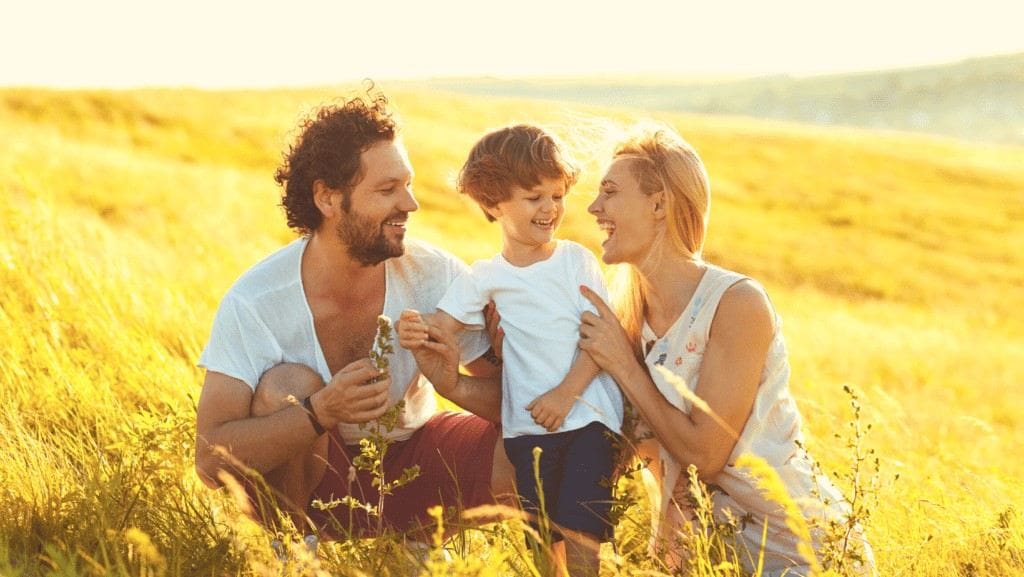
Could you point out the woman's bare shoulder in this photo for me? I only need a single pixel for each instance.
(745, 308)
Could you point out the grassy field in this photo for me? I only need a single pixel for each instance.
(894, 261)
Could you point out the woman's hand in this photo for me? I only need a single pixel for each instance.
(603, 337)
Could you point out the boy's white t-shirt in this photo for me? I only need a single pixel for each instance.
(264, 320)
(540, 307)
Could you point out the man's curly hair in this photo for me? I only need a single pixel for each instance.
(329, 147)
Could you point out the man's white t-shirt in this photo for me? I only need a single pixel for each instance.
(540, 307)
(264, 320)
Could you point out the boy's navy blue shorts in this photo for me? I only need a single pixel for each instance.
(576, 476)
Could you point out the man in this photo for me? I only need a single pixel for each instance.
(289, 380)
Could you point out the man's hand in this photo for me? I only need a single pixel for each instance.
(353, 395)
(550, 409)
(495, 334)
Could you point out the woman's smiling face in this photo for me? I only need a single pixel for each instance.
(625, 213)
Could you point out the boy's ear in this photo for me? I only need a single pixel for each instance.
(326, 198)
(494, 211)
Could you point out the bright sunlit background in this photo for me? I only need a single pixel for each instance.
(122, 43)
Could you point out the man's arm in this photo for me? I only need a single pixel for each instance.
(480, 395)
(225, 420)
(261, 443)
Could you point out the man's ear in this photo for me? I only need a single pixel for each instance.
(327, 199)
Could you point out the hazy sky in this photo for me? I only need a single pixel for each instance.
(218, 43)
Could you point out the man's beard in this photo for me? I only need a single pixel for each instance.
(366, 241)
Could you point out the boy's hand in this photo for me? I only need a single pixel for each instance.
(550, 409)
(412, 330)
(436, 350)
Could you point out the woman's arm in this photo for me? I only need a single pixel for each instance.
(741, 333)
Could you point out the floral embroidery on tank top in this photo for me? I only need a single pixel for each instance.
(660, 345)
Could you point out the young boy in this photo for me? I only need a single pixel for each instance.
(554, 396)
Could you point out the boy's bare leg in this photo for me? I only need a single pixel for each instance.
(582, 553)
(503, 475)
(550, 561)
(558, 560)
(294, 481)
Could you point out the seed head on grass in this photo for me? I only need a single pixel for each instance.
(382, 343)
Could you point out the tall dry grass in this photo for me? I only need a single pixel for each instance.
(892, 259)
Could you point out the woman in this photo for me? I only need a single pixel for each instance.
(716, 331)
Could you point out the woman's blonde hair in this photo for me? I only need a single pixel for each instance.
(662, 162)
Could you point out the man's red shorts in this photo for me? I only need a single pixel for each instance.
(455, 453)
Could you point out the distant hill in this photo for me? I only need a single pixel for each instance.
(979, 99)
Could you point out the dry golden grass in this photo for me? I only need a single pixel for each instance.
(894, 261)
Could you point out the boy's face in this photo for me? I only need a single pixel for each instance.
(530, 217)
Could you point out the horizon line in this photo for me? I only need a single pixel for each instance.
(673, 75)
